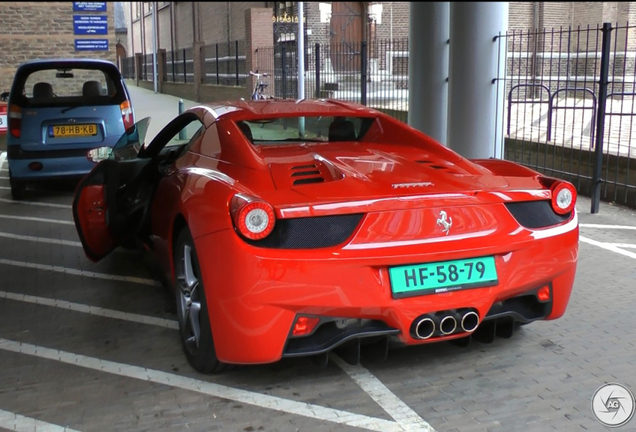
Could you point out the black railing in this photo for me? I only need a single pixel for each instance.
(147, 70)
(179, 66)
(371, 73)
(128, 67)
(224, 64)
(570, 106)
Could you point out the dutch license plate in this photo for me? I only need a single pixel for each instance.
(443, 276)
(3, 121)
(73, 130)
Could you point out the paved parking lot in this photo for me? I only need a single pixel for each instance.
(94, 347)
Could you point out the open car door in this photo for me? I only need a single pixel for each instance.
(110, 204)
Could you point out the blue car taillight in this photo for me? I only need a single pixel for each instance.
(15, 120)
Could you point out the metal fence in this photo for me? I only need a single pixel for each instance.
(179, 66)
(224, 64)
(128, 67)
(570, 106)
(371, 73)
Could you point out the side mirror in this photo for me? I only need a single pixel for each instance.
(4, 96)
(99, 154)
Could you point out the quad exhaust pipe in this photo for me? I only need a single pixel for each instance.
(470, 322)
(448, 325)
(425, 328)
(444, 324)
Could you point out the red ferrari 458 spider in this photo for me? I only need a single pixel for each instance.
(294, 228)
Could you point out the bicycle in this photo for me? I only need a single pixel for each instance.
(258, 94)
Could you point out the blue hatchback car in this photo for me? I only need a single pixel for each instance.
(58, 111)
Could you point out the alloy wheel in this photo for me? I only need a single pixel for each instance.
(189, 302)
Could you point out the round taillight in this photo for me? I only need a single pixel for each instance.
(256, 220)
(563, 197)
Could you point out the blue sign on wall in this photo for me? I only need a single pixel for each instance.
(91, 44)
(89, 6)
(90, 24)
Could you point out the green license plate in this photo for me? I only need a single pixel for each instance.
(443, 276)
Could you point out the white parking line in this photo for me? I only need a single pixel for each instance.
(608, 246)
(3, 157)
(626, 227)
(623, 245)
(4, 177)
(9, 201)
(396, 408)
(36, 219)
(76, 272)
(204, 387)
(20, 423)
(408, 419)
(91, 310)
(40, 239)
(5, 187)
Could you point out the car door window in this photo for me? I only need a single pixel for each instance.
(128, 145)
(186, 133)
(176, 137)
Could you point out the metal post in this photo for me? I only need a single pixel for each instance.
(182, 132)
(301, 52)
(227, 61)
(363, 73)
(185, 77)
(174, 78)
(217, 64)
(600, 118)
(283, 59)
(317, 70)
(236, 46)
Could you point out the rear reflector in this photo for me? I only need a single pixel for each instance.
(305, 325)
(36, 166)
(543, 294)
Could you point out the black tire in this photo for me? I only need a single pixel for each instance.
(18, 188)
(200, 353)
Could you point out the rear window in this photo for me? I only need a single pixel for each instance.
(68, 87)
(281, 130)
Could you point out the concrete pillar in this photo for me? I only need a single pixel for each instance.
(428, 68)
(473, 103)
(161, 69)
(138, 67)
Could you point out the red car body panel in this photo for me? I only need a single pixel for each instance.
(398, 179)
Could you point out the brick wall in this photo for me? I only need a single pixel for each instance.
(395, 20)
(183, 24)
(32, 30)
(214, 21)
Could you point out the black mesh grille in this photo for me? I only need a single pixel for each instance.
(309, 180)
(305, 173)
(310, 232)
(535, 214)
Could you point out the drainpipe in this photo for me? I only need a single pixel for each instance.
(154, 45)
(229, 20)
(535, 47)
